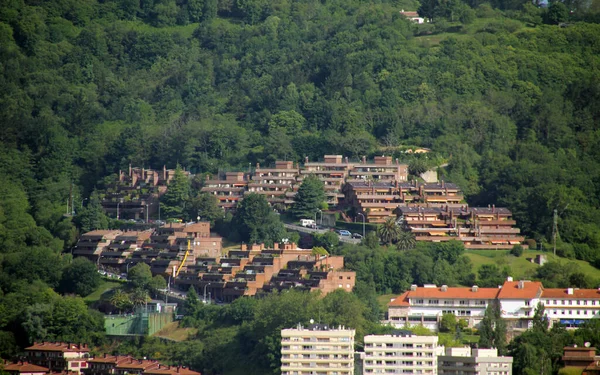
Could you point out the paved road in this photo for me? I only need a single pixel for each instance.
(299, 228)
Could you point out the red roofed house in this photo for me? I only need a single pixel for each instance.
(571, 306)
(426, 305)
(24, 368)
(59, 356)
(518, 300)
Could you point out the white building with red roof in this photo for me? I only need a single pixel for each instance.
(425, 305)
(518, 300)
(571, 306)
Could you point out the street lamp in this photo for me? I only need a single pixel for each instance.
(118, 203)
(363, 216)
(321, 216)
(205, 291)
(146, 213)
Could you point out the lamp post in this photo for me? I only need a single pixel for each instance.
(146, 213)
(205, 292)
(321, 216)
(363, 216)
(118, 203)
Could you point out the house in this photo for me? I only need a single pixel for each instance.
(467, 361)
(401, 352)
(24, 368)
(58, 356)
(414, 17)
(317, 349)
(518, 300)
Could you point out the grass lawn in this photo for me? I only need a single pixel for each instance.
(229, 245)
(105, 287)
(521, 267)
(173, 332)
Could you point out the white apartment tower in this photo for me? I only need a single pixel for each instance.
(401, 353)
(317, 350)
(467, 361)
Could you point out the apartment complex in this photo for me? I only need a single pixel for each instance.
(466, 361)
(476, 227)
(135, 194)
(518, 301)
(401, 353)
(58, 356)
(173, 245)
(255, 269)
(279, 184)
(317, 350)
(127, 365)
(229, 188)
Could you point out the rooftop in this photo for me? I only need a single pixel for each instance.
(572, 293)
(59, 347)
(520, 289)
(24, 367)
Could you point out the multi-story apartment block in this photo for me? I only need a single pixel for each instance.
(475, 227)
(122, 247)
(333, 171)
(378, 201)
(228, 189)
(58, 356)
(254, 269)
(279, 184)
(92, 244)
(317, 350)
(381, 169)
(466, 361)
(571, 306)
(426, 305)
(401, 353)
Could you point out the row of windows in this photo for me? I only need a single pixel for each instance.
(450, 302)
(571, 302)
(577, 312)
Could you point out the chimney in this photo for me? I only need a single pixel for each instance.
(257, 165)
(165, 172)
(521, 284)
(443, 184)
(570, 291)
(413, 287)
(474, 288)
(346, 159)
(444, 288)
(306, 159)
(509, 279)
(129, 169)
(493, 208)
(397, 162)
(364, 159)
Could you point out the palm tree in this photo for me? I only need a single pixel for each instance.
(406, 240)
(139, 297)
(121, 301)
(389, 231)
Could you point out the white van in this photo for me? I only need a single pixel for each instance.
(307, 223)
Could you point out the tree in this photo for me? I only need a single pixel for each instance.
(317, 250)
(309, 197)
(92, 216)
(204, 206)
(121, 301)
(80, 277)
(158, 282)
(492, 331)
(139, 297)
(178, 192)
(490, 275)
(557, 13)
(140, 275)
(448, 323)
(389, 231)
(406, 240)
(328, 240)
(255, 221)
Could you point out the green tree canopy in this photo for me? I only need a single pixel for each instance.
(256, 222)
(178, 193)
(80, 277)
(309, 198)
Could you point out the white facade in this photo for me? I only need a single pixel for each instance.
(466, 361)
(571, 306)
(401, 353)
(317, 350)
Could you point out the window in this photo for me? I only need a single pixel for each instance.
(434, 301)
(419, 301)
(527, 303)
(75, 364)
(562, 302)
(570, 302)
(578, 302)
(555, 302)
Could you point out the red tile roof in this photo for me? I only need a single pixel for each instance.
(520, 290)
(401, 300)
(171, 370)
(449, 293)
(24, 367)
(577, 293)
(131, 363)
(59, 347)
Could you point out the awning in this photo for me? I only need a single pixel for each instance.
(515, 242)
(437, 233)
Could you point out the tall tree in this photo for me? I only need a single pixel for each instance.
(178, 193)
(255, 221)
(406, 240)
(309, 198)
(389, 231)
(92, 216)
(204, 206)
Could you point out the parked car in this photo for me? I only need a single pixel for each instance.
(343, 232)
(357, 236)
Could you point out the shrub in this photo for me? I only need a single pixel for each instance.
(517, 250)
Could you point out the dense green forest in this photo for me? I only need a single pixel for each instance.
(506, 92)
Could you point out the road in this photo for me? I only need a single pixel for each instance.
(299, 228)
